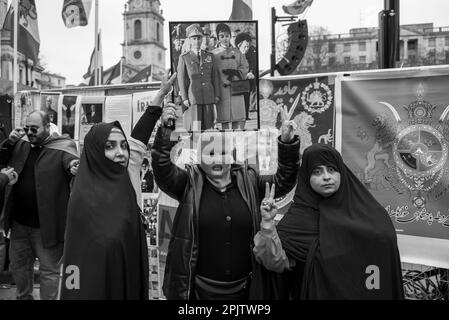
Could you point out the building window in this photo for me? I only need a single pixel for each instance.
(447, 57)
(432, 42)
(347, 47)
(412, 44)
(347, 60)
(137, 54)
(137, 29)
(431, 56)
(362, 59)
(331, 61)
(362, 46)
(158, 32)
(159, 56)
(401, 49)
(446, 41)
(331, 47)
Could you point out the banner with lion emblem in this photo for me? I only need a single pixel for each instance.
(309, 102)
(394, 136)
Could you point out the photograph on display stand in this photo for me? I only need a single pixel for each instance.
(154, 272)
(24, 102)
(149, 209)
(67, 109)
(49, 104)
(217, 66)
(148, 185)
(91, 113)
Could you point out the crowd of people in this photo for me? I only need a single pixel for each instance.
(86, 220)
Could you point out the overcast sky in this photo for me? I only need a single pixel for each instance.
(67, 51)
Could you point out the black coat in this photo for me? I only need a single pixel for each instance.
(52, 188)
(105, 237)
(186, 187)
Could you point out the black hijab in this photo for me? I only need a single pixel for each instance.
(340, 236)
(105, 238)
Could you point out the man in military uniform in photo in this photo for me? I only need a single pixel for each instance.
(198, 82)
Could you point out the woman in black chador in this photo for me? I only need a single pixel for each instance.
(105, 252)
(105, 238)
(335, 242)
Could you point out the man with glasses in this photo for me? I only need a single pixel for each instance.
(35, 207)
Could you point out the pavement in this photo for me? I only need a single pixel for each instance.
(8, 288)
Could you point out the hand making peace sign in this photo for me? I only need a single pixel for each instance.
(268, 209)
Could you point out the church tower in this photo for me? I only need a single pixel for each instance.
(3, 11)
(144, 31)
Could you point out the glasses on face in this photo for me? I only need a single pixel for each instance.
(32, 129)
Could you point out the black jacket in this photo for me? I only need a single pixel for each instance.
(52, 188)
(186, 187)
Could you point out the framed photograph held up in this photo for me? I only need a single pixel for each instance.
(217, 66)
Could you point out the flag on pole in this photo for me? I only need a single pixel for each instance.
(28, 34)
(297, 7)
(242, 10)
(96, 70)
(113, 74)
(75, 13)
(144, 75)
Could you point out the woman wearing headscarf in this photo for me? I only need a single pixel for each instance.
(243, 42)
(232, 66)
(106, 253)
(336, 241)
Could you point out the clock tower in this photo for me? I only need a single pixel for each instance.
(144, 32)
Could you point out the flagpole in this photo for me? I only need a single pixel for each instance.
(96, 79)
(121, 70)
(16, 31)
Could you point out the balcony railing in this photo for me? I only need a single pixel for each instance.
(358, 35)
(436, 30)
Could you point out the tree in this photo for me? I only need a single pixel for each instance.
(317, 52)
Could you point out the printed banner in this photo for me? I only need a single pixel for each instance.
(118, 108)
(309, 102)
(141, 101)
(394, 138)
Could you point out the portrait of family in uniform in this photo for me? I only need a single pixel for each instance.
(217, 65)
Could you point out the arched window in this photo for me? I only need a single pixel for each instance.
(137, 29)
(158, 30)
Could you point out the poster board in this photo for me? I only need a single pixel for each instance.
(393, 133)
(217, 80)
(91, 112)
(118, 108)
(68, 112)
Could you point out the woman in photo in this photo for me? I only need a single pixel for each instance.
(232, 66)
